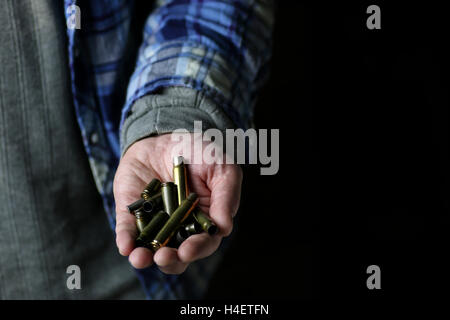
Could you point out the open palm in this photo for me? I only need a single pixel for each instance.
(217, 185)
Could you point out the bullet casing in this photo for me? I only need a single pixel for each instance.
(186, 231)
(177, 238)
(193, 228)
(169, 197)
(151, 189)
(172, 225)
(135, 205)
(180, 178)
(153, 203)
(152, 228)
(205, 223)
(142, 219)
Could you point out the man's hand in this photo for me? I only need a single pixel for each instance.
(217, 185)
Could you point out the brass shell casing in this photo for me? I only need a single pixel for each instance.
(186, 231)
(152, 228)
(155, 245)
(203, 220)
(175, 220)
(153, 203)
(135, 205)
(193, 228)
(151, 189)
(180, 179)
(142, 219)
(169, 197)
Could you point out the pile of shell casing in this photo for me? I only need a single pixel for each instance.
(167, 214)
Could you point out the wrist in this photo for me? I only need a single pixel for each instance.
(172, 108)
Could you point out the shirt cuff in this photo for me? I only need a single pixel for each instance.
(169, 109)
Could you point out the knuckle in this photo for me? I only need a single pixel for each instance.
(226, 231)
(227, 227)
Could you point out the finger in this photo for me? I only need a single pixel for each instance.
(225, 196)
(168, 262)
(198, 246)
(126, 232)
(141, 258)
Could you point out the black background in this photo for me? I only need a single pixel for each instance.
(364, 158)
(276, 250)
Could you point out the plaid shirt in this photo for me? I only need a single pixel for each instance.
(220, 47)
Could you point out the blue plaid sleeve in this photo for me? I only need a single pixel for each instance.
(219, 47)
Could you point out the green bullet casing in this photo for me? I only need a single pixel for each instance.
(151, 189)
(153, 203)
(185, 231)
(206, 224)
(169, 197)
(180, 217)
(180, 178)
(142, 219)
(135, 205)
(152, 228)
(172, 225)
(192, 228)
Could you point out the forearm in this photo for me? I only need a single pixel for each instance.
(218, 48)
